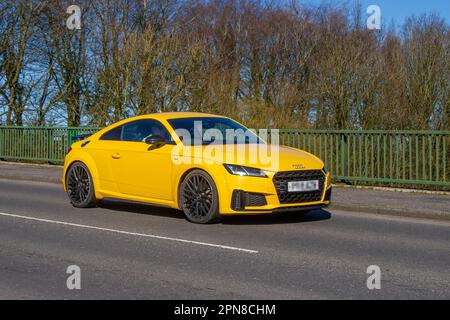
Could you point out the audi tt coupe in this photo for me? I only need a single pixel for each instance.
(202, 164)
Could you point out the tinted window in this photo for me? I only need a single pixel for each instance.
(137, 131)
(198, 129)
(113, 134)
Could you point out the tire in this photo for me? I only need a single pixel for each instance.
(80, 187)
(199, 198)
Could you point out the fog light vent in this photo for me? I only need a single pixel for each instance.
(242, 199)
(328, 195)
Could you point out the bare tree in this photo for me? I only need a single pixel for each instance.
(269, 63)
(18, 26)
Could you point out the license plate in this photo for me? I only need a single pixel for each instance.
(303, 186)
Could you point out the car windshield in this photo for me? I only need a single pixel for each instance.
(210, 130)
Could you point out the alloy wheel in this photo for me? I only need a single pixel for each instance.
(197, 197)
(78, 184)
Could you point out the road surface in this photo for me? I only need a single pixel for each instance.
(132, 251)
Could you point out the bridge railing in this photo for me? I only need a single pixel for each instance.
(387, 157)
(49, 144)
(371, 156)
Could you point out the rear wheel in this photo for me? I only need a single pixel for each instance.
(80, 187)
(199, 198)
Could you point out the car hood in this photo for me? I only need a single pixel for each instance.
(262, 156)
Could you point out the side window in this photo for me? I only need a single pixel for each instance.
(139, 130)
(114, 134)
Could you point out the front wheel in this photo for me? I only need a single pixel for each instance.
(199, 198)
(80, 187)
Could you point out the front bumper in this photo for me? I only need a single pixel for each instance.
(264, 187)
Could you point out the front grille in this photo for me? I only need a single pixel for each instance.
(281, 180)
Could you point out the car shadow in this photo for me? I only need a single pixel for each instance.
(260, 219)
(140, 208)
(278, 218)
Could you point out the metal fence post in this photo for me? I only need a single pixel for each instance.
(71, 133)
(344, 157)
(1, 143)
(49, 144)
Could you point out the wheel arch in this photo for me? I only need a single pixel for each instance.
(90, 164)
(183, 176)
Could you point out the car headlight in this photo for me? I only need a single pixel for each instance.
(325, 169)
(245, 171)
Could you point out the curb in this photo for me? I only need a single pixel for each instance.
(26, 164)
(390, 189)
(392, 212)
(31, 179)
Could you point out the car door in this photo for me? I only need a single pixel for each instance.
(138, 169)
(101, 151)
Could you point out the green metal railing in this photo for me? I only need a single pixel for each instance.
(371, 156)
(386, 157)
(49, 144)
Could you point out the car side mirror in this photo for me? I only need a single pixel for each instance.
(155, 141)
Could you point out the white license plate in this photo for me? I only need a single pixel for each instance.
(303, 186)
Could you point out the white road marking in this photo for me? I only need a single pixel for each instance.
(128, 233)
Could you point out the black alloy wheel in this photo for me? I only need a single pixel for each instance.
(199, 199)
(80, 188)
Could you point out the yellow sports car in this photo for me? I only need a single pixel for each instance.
(205, 165)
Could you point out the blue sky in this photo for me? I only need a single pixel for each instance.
(398, 10)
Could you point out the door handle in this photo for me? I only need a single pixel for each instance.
(115, 155)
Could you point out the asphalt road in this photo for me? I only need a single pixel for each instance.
(134, 251)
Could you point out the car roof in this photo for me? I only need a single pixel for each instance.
(175, 115)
